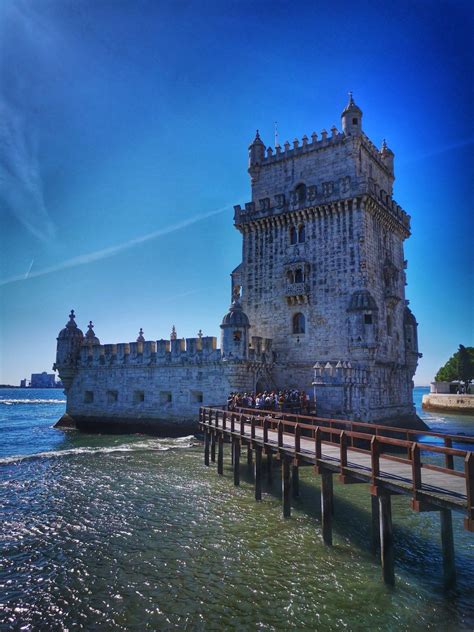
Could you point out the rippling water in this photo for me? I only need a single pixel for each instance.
(133, 533)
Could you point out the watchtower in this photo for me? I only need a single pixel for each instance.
(323, 270)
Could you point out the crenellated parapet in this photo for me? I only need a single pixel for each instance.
(347, 188)
(338, 373)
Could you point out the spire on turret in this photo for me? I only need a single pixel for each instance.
(71, 324)
(173, 335)
(141, 337)
(256, 151)
(90, 337)
(351, 118)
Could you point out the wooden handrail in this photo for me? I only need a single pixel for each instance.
(346, 422)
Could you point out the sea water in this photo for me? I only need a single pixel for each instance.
(103, 532)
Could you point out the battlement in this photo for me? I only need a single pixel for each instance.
(341, 372)
(167, 352)
(296, 148)
(345, 188)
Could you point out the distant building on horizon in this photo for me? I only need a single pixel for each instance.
(42, 380)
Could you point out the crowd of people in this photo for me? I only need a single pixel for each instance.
(292, 400)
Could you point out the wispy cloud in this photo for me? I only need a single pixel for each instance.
(442, 149)
(21, 186)
(111, 251)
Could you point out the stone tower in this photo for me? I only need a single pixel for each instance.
(323, 271)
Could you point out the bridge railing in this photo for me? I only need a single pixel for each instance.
(353, 435)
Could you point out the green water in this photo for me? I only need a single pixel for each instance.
(135, 533)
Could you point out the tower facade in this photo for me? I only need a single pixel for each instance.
(323, 271)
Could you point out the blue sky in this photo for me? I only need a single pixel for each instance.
(124, 128)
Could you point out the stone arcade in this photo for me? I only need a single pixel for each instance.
(318, 302)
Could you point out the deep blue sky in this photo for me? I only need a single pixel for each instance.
(125, 119)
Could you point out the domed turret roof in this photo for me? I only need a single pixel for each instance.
(257, 141)
(351, 106)
(71, 330)
(362, 300)
(235, 317)
(90, 337)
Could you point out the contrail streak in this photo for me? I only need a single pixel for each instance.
(111, 251)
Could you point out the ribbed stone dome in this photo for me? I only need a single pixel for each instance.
(71, 330)
(362, 300)
(235, 317)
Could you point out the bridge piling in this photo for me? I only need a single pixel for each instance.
(375, 526)
(220, 454)
(236, 451)
(447, 544)
(386, 538)
(295, 480)
(258, 472)
(213, 446)
(206, 448)
(286, 486)
(327, 503)
(269, 467)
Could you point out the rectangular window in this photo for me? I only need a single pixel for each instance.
(367, 319)
(355, 121)
(112, 397)
(165, 397)
(138, 397)
(88, 397)
(196, 397)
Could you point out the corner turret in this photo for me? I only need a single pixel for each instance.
(235, 333)
(351, 118)
(256, 156)
(67, 350)
(90, 339)
(387, 156)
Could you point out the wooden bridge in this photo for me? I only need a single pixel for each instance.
(391, 460)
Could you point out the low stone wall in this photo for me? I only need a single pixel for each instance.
(453, 403)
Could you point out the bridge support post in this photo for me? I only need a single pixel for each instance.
(206, 447)
(286, 486)
(236, 451)
(249, 455)
(220, 454)
(258, 472)
(386, 538)
(213, 446)
(327, 503)
(295, 479)
(447, 544)
(375, 526)
(269, 468)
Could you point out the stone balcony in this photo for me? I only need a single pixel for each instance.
(297, 293)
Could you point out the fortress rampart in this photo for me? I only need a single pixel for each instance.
(318, 301)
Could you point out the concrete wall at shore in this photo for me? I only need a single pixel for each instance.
(454, 403)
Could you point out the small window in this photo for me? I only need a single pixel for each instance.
(301, 234)
(293, 235)
(112, 397)
(138, 397)
(300, 193)
(389, 326)
(355, 121)
(298, 324)
(88, 397)
(367, 319)
(197, 397)
(299, 276)
(165, 397)
(237, 335)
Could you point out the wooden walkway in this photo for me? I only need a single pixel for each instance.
(357, 453)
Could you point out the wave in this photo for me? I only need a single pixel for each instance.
(10, 402)
(152, 445)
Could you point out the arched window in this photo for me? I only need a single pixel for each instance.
(299, 275)
(298, 323)
(389, 325)
(301, 233)
(293, 235)
(301, 193)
